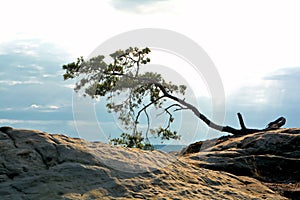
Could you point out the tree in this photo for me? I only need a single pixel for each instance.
(123, 78)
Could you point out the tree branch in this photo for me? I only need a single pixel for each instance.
(143, 110)
(148, 125)
(241, 121)
(243, 131)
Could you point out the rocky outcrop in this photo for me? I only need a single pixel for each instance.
(272, 157)
(38, 165)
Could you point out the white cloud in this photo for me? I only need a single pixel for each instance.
(34, 106)
(17, 121)
(49, 75)
(10, 121)
(142, 6)
(14, 82)
(71, 86)
(10, 82)
(43, 108)
(53, 107)
(24, 47)
(25, 52)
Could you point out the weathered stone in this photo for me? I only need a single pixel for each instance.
(38, 165)
(272, 156)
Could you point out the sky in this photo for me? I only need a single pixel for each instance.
(254, 46)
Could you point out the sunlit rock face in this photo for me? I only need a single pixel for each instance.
(39, 165)
(272, 157)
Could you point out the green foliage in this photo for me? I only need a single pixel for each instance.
(132, 141)
(72, 68)
(128, 92)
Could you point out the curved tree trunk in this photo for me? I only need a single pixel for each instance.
(243, 131)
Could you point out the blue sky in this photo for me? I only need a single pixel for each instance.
(253, 45)
(33, 94)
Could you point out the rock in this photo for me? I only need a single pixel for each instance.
(38, 165)
(5, 129)
(192, 148)
(271, 157)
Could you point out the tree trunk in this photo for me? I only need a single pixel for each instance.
(243, 131)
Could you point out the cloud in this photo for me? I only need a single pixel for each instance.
(32, 67)
(32, 49)
(285, 74)
(34, 106)
(31, 86)
(71, 86)
(43, 109)
(274, 95)
(23, 47)
(53, 107)
(135, 6)
(17, 121)
(49, 75)
(47, 107)
(15, 82)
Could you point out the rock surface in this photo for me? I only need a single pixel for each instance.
(38, 165)
(272, 157)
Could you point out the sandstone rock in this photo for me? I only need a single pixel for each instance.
(38, 165)
(271, 157)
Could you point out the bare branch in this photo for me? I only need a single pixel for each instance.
(276, 124)
(138, 65)
(182, 108)
(167, 108)
(148, 125)
(170, 119)
(143, 110)
(173, 105)
(241, 121)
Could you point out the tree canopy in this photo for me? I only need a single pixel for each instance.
(123, 79)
